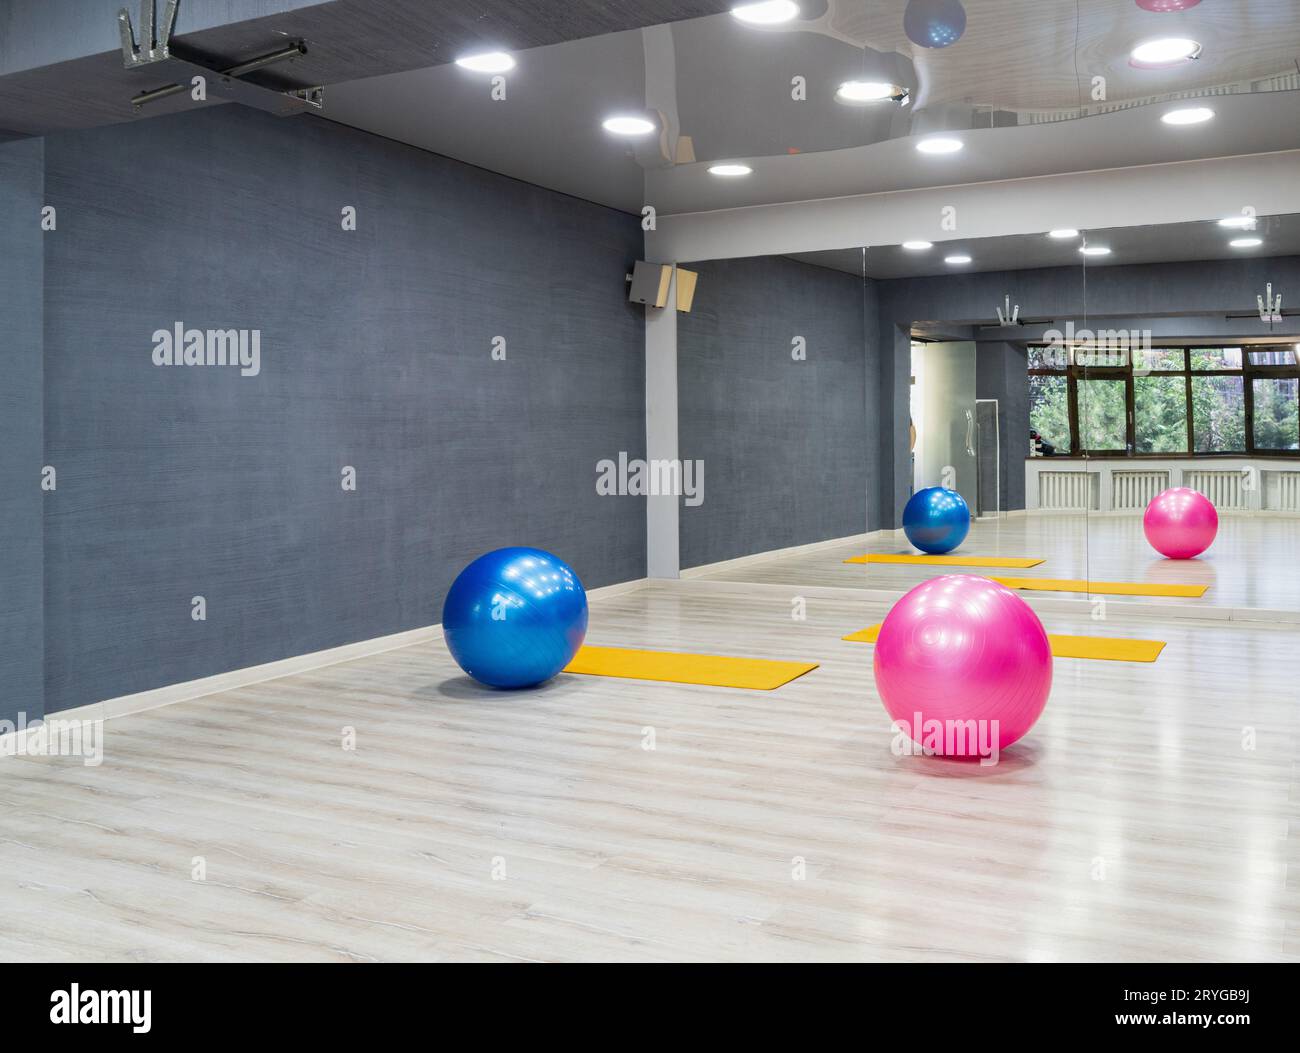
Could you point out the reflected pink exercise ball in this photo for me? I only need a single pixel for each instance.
(963, 648)
(1180, 523)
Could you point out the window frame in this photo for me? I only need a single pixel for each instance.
(1248, 373)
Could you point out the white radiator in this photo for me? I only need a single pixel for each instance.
(1070, 491)
(1281, 491)
(1224, 489)
(1136, 489)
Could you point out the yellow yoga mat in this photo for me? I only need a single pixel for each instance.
(946, 561)
(1101, 588)
(1107, 648)
(754, 674)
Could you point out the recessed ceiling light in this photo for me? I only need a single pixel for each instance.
(487, 62)
(1063, 232)
(939, 145)
(1246, 243)
(730, 170)
(956, 259)
(1237, 222)
(918, 246)
(628, 125)
(1190, 115)
(860, 91)
(1166, 51)
(1095, 250)
(767, 12)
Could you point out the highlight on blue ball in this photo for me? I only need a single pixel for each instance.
(936, 520)
(934, 23)
(515, 617)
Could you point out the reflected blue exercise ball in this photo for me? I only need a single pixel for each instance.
(934, 23)
(936, 520)
(515, 617)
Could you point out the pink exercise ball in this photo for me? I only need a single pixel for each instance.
(963, 648)
(1180, 523)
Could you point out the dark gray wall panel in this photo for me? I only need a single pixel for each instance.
(21, 277)
(1000, 374)
(179, 481)
(784, 443)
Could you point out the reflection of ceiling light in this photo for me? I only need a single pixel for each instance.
(1246, 243)
(1095, 250)
(858, 91)
(939, 145)
(767, 13)
(487, 62)
(1238, 222)
(1063, 232)
(628, 126)
(918, 246)
(956, 259)
(730, 170)
(1162, 6)
(1190, 115)
(1166, 51)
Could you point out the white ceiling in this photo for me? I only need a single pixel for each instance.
(1166, 243)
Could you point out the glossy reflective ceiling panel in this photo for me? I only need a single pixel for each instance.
(1030, 88)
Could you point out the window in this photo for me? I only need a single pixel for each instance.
(1218, 414)
(1049, 410)
(1243, 399)
(1276, 413)
(1160, 414)
(1103, 415)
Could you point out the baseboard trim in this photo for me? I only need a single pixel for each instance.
(779, 553)
(260, 674)
(1118, 608)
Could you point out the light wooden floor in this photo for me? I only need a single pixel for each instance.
(1130, 824)
(1250, 564)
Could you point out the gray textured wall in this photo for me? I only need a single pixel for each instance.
(784, 443)
(176, 482)
(21, 551)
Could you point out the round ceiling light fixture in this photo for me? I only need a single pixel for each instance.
(1164, 52)
(939, 145)
(956, 260)
(934, 23)
(628, 125)
(1160, 7)
(1242, 222)
(1062, 233)
(860, 92)
(487, 62)
(730, 170)
(1188, 115)
(918, 246)
(1246, 243)
(767, 12)
(1095, 250)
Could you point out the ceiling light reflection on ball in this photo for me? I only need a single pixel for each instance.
(1161, 7)
(934, 23)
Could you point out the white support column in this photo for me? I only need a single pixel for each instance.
(662, 557)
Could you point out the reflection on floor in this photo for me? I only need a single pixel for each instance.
(1146, 817)
(1251, 563)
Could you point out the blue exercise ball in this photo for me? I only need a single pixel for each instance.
(515, 617)
(936, 520)
(934, 23)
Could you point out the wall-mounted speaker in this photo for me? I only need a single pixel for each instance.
(650, 283)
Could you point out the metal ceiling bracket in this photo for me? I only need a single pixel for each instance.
(155, 51)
